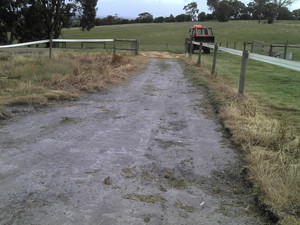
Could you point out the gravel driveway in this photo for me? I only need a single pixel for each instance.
(143, 153)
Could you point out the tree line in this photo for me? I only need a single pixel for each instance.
(28, 20)
(267, 10)
(222, 10)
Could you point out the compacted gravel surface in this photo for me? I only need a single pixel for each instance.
(146, 152)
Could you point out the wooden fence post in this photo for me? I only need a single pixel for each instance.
(285, 50)
(271, 50)
(114, 46)
(213, 70)
(234, 47)
(137, 47)
(244, 43)
(199, 54)
(51, 38)
(50, 47)
(243, 72)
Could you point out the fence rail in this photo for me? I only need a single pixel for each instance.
(245, 56)
(134, 47)
(293, 65)
(25, 44)
(263, 47)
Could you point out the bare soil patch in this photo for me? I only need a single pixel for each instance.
(165, 55)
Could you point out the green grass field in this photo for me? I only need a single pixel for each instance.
(170, 36)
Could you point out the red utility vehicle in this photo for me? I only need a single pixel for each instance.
(198, 33)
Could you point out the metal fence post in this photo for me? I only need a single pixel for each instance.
(243, 72)
(199, 54)
(213, 70)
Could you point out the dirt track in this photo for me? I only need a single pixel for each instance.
(144, 153)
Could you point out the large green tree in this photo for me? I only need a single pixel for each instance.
(256, 8)
(87, 13)
(145, 17)
(170, 19)
(10, 14)
(268, 9)
(238, 8)
(296, 14)
(223, 11)
(284, 14)
(278, 5)
(212, 4)
(202, 16)
(192, 10)
(41, 19)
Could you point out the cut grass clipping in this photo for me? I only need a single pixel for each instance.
(35, 79)
(271, 147)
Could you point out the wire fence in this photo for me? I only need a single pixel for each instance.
(279, 50)
(245, 54)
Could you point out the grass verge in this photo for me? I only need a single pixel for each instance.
(276, 86)
(37, 80)
(270, 147)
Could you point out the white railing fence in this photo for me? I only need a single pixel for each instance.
(133, 47)
(293, 65)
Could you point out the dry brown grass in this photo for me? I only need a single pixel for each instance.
(271, 148)
(34, 79)
(93, 72)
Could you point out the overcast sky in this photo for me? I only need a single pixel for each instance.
(131, 8)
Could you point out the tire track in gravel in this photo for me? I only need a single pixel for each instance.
(143, 153)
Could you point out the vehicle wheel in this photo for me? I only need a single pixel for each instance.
(193, 49)
(206, 50)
